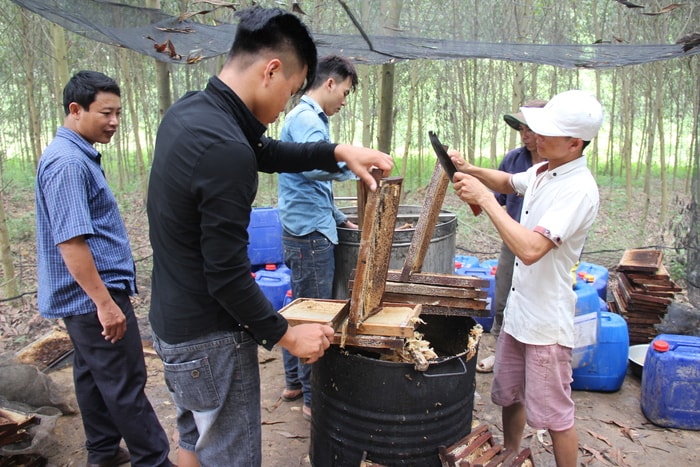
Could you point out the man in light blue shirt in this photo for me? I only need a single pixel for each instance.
(306, 207)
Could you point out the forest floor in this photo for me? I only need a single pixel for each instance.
(611, 427)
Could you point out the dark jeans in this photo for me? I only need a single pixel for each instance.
(109, 386)
(214, 381)
(312, 262)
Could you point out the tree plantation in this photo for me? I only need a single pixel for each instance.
(649, 140)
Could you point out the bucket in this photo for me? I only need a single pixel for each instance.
(483, 273)
(586, 325)
(397, 415)
(438, 259)
(265, 237)
(274, 284)
(596, 275)
(609, 366)
(671, 382)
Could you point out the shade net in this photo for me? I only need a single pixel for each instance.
(173, 39)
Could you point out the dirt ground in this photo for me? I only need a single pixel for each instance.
(611, 427)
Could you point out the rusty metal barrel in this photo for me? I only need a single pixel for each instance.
(388, 412)
(439, 258)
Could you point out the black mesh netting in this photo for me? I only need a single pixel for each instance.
(141, 29)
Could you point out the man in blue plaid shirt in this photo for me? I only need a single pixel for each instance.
(86, 275)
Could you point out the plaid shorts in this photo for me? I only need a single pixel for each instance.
(538, 376)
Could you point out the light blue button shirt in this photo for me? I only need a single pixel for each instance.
(305, 200)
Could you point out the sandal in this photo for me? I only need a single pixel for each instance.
(290, 395)
(306, 412)
(486, 365)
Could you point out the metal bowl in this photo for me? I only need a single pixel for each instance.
(637, 355)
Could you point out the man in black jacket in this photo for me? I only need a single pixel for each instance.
(207, 313)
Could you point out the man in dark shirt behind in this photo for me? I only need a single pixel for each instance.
(207, 313)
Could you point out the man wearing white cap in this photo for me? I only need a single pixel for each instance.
(532, 374)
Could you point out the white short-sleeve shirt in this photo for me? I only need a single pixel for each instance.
(560, 204)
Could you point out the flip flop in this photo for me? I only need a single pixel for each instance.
(290, 395)
(486, 365)
(306, 412)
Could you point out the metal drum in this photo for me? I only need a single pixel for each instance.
(397, 415)
(439, 258)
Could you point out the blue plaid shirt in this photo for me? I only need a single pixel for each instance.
(73, 199)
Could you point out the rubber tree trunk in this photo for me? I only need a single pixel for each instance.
(11, 287)
(60, 66)
(29, 63)
(386, 108)
(386, 96)
(165, 98)
(693, 244)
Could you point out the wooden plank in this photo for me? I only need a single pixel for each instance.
(403, 216)
(641, 299)
(619, 299)
(362, 192)
(667, 290)
(636, 319)
(453, 311)
(638, 296)
(409, 289)
(448, 280)
(641, 260)
(13, 426)
(311, 310)
(475, 304)
(622, 288)
(432, 202)
(653, 283)
(638, 278)
(365, 341)
(392, 320)
(658, 291)
(375, 251)
(432, 290)
(454, 454)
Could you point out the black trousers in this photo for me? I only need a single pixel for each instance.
(109, 386)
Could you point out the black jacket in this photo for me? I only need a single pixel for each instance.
(203, 182)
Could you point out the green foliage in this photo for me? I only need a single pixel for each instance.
(677, 266)
(17, 173)
(22, 227)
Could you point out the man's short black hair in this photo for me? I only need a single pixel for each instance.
(274, 29)
(334, 66)
(84, 86)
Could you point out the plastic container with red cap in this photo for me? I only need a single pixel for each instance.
(596, 275)
(466, 261)
(265, 237)
(483, 273)
(274, 284)
(671, 382)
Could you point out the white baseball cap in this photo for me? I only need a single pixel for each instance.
(575, 113)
